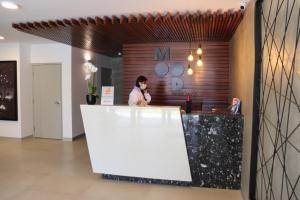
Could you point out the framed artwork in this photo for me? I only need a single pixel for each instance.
(8, 91)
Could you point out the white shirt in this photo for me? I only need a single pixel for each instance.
(136, 96)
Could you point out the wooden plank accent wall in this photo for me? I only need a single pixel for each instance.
(208, 85)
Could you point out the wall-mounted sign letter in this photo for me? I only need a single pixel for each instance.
(162, 54)
(177, 69)
(161, 69)
(176, 84)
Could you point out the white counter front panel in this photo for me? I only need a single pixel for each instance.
(145, 142)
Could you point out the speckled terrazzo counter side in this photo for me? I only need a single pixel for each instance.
(214, 145)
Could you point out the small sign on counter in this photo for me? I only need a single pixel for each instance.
(107, 95)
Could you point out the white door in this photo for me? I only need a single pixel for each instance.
(47, 101)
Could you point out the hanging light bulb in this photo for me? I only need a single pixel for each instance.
(200, 62)
(190, 70)
(199, 50)
(190, 57)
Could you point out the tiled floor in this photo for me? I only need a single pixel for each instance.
(51, 169)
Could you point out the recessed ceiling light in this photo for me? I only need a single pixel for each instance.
(1, 37)
(9, 5)
(119, 54)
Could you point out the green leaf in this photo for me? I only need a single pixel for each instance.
(91, 88)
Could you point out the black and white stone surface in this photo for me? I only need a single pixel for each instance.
(145, 180)
(214, 146)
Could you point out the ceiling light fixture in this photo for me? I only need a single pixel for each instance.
(191, 57)
(200, 62)
(199, 50)
(10, 5)
(190, 70)
(1, 37)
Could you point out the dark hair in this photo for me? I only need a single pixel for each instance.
(140, 79)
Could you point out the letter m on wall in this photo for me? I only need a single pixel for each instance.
(162, 54)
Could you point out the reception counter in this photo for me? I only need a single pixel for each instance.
(145, 142)
(214, 144)
(161, 145)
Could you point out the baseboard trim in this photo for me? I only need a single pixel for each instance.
(10, 138)
(74, 138)
(16, 138)
(32, 136)
(28, 136)
(67, 139)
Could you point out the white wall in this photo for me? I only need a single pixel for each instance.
(26, 91)
(74, 87)
(58, 53)
(73, 84)
(24, 126)
(11, 128)
(79, 87)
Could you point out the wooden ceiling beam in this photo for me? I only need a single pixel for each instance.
(149, 18)
(158, 18)
(107, 20)
(67, 22)
(45, 24)
(60, 23)
(31, 25)
(187, 26)
(107, 34)
(24, 26)
(75, 22)
(141, 18)
(17, 26)
(132, 19)
(38, 25)
(123, 20)
(99, 21)
(91, 21)
(83, 21)
(237, 18)
(168, 19)
(52, 24)
(115, 20)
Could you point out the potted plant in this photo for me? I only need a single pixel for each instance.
(91, 72)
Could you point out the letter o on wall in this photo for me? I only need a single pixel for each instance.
(177, 69)
(161, 69)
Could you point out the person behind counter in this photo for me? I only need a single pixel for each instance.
(139, 95)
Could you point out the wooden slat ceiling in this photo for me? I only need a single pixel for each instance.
(107, 35)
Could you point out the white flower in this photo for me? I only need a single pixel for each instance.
(94, 69)
(90, 67)
(87, 77)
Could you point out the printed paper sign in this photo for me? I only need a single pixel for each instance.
(107, 95)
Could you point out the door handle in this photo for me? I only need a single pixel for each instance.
(57, 102)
